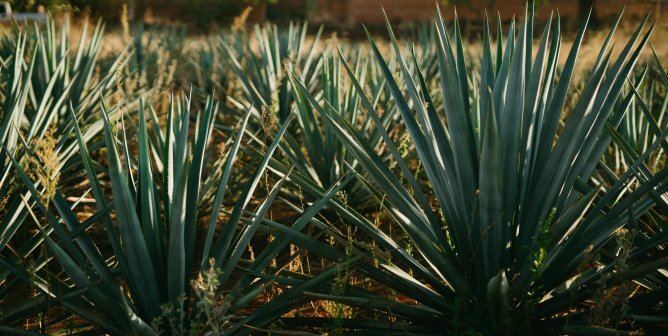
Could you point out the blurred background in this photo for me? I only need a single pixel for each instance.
(342, 14)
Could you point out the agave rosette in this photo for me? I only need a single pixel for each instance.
(508, 245)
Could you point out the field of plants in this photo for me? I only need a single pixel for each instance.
(280, 180)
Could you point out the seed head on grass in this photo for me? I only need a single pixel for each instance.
(43, 166)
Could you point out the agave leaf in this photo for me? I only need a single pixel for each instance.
(140, 268)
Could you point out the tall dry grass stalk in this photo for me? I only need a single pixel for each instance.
(241, 20)
(125, 22)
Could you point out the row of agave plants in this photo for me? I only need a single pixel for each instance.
(303, 187)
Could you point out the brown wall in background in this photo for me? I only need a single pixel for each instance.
(348, 12)
(351, 13)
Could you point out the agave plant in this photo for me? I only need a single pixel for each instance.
(645, 117)
(423, 41)
(154, 234)
(43, 75)
(509, 245)
(262, 74)
(315, 151)
(60, 71)
(310, 148)
(205, 65)
(39, 79)
(154, 51)
(638, 129)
